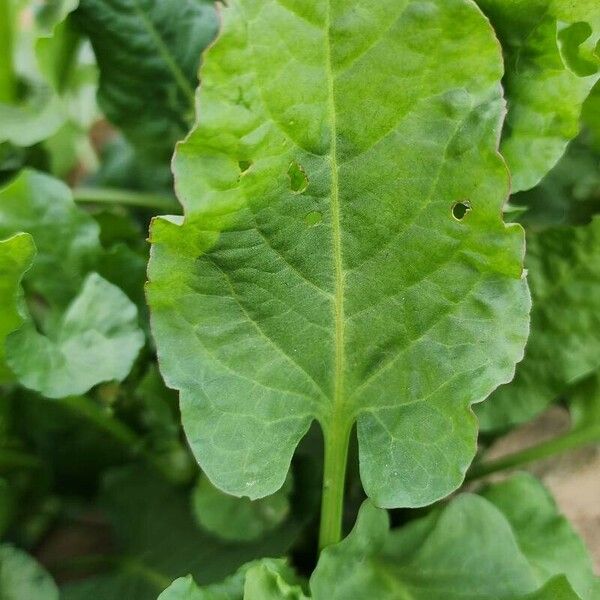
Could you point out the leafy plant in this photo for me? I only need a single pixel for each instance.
(385, 241)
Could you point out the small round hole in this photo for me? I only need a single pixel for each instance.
(298, 178)
(460, 209)
(244, 165)
(313, 218)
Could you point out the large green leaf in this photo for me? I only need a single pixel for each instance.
(81, 329)
(16, 256)
(552, 63)
(22, 578)
(465, 550)
(564, 274)
(158, 541)
(148, 52)
(319, 272)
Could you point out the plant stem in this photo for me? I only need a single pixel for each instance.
(100, 562)
(8, 82)
(568, 441)
(334, 482)
(126, 197)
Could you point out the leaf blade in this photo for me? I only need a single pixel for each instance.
(243, 307)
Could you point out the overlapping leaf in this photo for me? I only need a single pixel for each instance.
(552, 62)
(568, 195)
(239, 519)
(564, 347)
(319, 272)
(591, 115)
(49, 89)
(153, 550)
(266, 579)
(545, 537)
(81, 329)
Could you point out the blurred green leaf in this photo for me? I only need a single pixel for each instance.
(568, 195)
(96, 339)
(472, 547)
(158, 541)
(239, 519)
(81, 330)
(51, 86)
(16, 256)
(545, 537)
(564, 277)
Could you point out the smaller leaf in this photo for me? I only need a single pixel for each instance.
(66, 238)
(512, 544)
(148, 49)
(551, 67)
(38, 117)
(556, 589)
(240, 519)
(422, 560)
(22, 578)
(564, 277)
(271, 581)
(152, 551)
(45, 59)
(96, 340)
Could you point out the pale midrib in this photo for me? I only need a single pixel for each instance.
(165, 53)
(338, 301)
